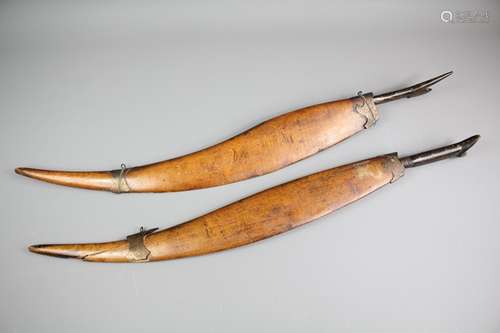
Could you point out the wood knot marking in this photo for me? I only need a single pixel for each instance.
(364, 171)
(287, 138)
(234, 155)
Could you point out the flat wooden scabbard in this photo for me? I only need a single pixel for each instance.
(269, 146)
(254, 218)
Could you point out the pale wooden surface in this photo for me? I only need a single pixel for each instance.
(255, 218)
(267, 147)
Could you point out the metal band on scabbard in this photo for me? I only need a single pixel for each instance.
(396, 167)
(120, 181)
(365, 107)
(137, 251)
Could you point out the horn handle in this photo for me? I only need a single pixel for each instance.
(454, 150)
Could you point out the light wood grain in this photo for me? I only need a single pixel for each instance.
(267, 147)
(257, 217)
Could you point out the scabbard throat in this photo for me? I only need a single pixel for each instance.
(365, 107)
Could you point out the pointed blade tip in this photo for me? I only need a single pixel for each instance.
(467, 144)
(472, 140)
(445, 75)
(439, 78)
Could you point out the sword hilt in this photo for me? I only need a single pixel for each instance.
(454, 150)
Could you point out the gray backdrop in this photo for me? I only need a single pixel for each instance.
(92, 84)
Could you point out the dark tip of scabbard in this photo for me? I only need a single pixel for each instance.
(51, 250)
(20, 171)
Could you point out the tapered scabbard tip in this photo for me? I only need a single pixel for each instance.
(51, 250)
(28, 172)
(93, 180)
(35, 248)
(20, 171)
(31, 173)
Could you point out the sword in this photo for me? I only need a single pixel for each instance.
(265, 148)
(260, 216)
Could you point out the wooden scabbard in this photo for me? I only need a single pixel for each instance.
(254, 218)
(267, 147)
